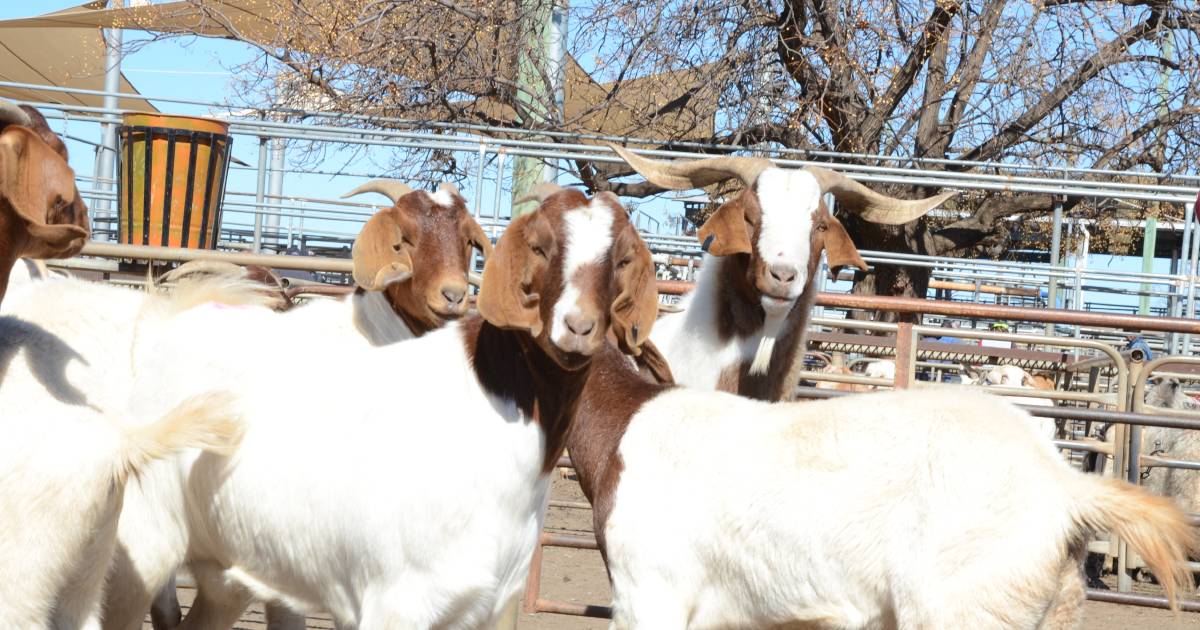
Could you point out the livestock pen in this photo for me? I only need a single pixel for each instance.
(1101, 384)
(1119, 403)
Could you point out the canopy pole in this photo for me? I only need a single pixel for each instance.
(112, 84)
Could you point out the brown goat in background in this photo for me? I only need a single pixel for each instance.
(41, 212)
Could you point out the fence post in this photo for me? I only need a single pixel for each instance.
(906, 355)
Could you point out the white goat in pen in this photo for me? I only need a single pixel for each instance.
(67, 448)
(742, 328)
(874, 510)
(1181, 485)
(410, 265)
(388, 532)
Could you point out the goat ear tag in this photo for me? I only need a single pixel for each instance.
(725, 233)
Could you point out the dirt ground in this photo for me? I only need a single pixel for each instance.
(577, 576)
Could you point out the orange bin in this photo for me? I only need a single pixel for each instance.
(172, 179)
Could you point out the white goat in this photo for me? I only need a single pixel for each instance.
(388, 532)
(67, 448)
(705, 508)
(410, 264)
(1181, 485)
(742, 328)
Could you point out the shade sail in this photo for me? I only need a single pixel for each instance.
(62, 56)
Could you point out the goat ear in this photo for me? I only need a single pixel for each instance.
(32, 175)
(478, 237)
(635, 308)
(652, 363)
(839, 248)
(725, 232)
(505, 297)
(380, 255)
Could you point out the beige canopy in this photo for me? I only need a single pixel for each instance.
(600, 108)
(42, 50)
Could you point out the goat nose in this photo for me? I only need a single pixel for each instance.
(454, 294)
(783, 273)
(580, 324)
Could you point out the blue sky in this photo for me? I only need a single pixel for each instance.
(197, 68)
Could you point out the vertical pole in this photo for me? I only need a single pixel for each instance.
(479, 180)
(906, 355)
(556, 58)
(112, 84)
(500, 154)
(1149, 239)
(277, 163)
(1055, 247)
(260, 194)
(1191, 273)
(544, 57)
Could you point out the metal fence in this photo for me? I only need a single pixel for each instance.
(257, 219)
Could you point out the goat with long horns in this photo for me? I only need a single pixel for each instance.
(764, 245)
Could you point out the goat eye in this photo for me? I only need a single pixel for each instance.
(821, 227)
(623, 263)
(537, 249)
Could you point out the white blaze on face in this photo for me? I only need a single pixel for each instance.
(788, 199)
(588, 237)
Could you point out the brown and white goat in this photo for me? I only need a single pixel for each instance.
(411, 262)
(41, 212)
(500, 389)
(703, 506)
(742, 329)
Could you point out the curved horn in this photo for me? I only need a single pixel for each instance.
(870, 205)
(684, 175)
(390, 188)
(10, 114)
(540, 192)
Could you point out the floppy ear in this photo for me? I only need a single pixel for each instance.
(635, 308)
(505, 298)
(478, 237)
(725, 232)
(839, 249)
(652, 363)
(32, 178)
(380, 255)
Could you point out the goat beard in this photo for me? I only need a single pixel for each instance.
(772, 329)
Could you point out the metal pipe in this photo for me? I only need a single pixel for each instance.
(113, 38)
(1192, 276)
(277, 150)
(1149, 601)
(976, 181)
(1055, 248)
(339, 116)
(260, 190)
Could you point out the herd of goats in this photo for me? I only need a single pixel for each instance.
(393, 469)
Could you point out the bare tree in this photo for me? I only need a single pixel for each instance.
(1087, 83)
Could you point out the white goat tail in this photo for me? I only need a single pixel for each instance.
(207, 422)
(1154, 526)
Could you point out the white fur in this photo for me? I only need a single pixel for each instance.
(67, 443)
(442, 198)
(873, 511)
(690, 341)
(772, 329)
(1179, 484)
(788, 198)
(342, 536)
(588, 239)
